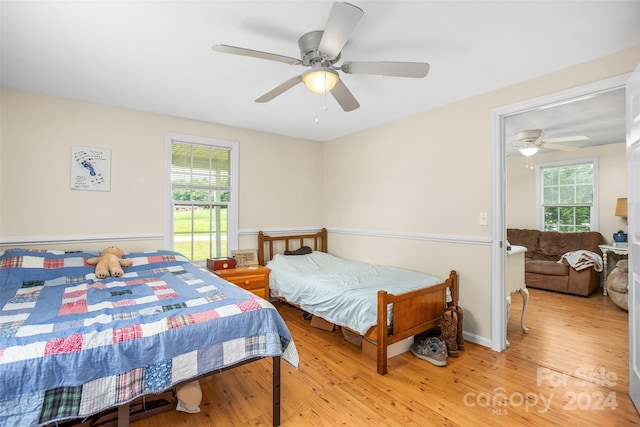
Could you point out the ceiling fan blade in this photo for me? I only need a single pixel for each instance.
(559, 147)
(280, 89)
(566, 139)
(344, 97)
(383, 68)
(342, 21)
(255, 54)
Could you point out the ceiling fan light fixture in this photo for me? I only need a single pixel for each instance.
(528, 150)
(320, 79)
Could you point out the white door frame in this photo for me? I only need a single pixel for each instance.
(498, 190)
(633, 192)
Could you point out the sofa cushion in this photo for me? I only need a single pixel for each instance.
(550, 268)
(526, 238)
(548, 282)
(552, 243)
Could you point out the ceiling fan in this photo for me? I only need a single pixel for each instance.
(321, 50)
(531, 141)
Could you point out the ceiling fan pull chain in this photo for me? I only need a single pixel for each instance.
(318, 113)
(324, 107)
(528, 163)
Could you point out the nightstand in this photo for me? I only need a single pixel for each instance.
(254, 278)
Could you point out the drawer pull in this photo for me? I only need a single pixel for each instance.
(246, 282)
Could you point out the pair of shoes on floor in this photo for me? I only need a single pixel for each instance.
(432, 350)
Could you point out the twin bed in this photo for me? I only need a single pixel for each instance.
(384, 304)
(73, 345)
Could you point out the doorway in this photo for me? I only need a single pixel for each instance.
(500, 151)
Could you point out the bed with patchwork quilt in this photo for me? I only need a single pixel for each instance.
(73, 345)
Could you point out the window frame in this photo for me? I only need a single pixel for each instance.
(539, 167)
(232, 207)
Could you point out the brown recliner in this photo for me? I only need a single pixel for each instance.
(545, 249)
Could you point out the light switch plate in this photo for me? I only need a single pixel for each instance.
(483, 219)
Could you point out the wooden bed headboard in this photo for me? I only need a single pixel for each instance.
(316, 241)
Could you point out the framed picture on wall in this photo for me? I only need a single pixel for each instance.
(90, 168)
(245, 257)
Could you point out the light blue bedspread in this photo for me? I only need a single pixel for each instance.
(340, 291)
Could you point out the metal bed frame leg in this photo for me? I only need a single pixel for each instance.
(276, 391)
(123, 415)
(124, 410)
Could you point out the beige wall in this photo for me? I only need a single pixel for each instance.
(280, 177)
(406, 193)
(429, 176)
(612, 183)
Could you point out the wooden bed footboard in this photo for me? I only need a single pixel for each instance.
(413, 312)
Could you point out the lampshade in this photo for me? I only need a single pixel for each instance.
(621, 207)
(320, 79)
(529, 150)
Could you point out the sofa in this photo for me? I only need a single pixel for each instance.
(546, 248)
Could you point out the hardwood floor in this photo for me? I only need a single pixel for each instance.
(571, 369)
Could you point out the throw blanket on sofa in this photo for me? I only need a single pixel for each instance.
(582, 259)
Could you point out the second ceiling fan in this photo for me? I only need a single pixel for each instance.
(321, 50)
(531, 141)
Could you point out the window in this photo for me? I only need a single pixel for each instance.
(567, 194)
(202, 196)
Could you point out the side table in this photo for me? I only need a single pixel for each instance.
(622, 250)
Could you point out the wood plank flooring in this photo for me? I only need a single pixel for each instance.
(570, 370)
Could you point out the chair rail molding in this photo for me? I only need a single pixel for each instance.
(47, 240)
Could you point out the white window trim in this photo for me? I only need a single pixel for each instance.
(232, 217)
(595, 224)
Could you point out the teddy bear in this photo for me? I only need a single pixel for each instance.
(110, 262)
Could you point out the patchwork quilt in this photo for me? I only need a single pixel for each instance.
(72, 345)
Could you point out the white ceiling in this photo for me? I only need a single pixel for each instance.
(156, 56)
(600, 117)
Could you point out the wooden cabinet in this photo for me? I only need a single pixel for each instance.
(254, 279)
